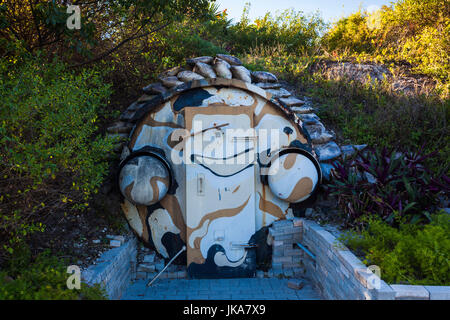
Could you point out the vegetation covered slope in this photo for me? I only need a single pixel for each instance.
(59, 87)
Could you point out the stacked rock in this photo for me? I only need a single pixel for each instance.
(230, 67)
(286, 256)
(151, 265)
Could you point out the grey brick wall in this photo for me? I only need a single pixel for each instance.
(287, 260)
(114, 269)
(336, 271)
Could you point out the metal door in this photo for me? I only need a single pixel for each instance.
(220, 191)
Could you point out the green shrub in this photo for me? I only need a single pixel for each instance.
(43, 279)
(402, 186)
(373, 115)
(51, 157)
(412, 31)
(412, 254)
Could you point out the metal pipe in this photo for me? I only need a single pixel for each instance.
(309, 253)
(166, 266)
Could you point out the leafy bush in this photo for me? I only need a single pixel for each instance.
(50, 157)
(297, 32)
(350, 33)
(43, 279)
(409, 31)
(387, 184)
(412, 254)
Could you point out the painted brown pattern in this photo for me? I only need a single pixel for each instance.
(290, 161)
(270, 208)
(155, 187)
(195, 255)
(171, 204)
(303, 187)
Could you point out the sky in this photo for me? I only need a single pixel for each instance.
(331, 10)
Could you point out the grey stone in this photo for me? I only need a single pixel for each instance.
(410, 292)
(222, 69)
(230, 59)
(326, 170)
(172, 71)
(268, 85)
(318, 133)
(127, 115)
(279, 93)
(328, 151)
(309, 212)
(288, 273)
(282, 223)
(120, 127)
(309, 118)
(96, 241)
(260, 274)
(187, 76)
(439, 292)
(159, 266)
(120, 238)
(302, 110)
(150, 258)
(204, 59)
(134, 106)
(204, 70)
(291, 101)
(154, 88)
(115, 243)
(146, 267)
(241, 73)
(263, 76)
(297, 222)
(145, 98)
(349, 150)
(181, 274)
(296, 284)
(171, 81)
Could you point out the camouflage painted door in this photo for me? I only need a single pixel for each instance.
(220, 192)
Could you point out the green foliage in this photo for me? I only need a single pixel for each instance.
(350, 33)
(373, 115)
(412, 31)
(402, 186)
(413, 254)
(50, 156)
(296, 32)
(42, 279)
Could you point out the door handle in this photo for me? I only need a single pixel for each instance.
(200, 184)
(236, 245)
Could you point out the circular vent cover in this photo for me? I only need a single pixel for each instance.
(144, 180)
(293, 176)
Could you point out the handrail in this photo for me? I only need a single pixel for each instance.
(166, 266)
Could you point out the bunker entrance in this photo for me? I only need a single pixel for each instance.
(220, 192)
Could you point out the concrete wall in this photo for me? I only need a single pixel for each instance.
(338, 273)
(114, 269)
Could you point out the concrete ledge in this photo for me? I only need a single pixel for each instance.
(439, 292)
(340, 275)
(409, 292)
(114, 269)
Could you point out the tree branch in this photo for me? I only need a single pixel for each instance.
(120, 44)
